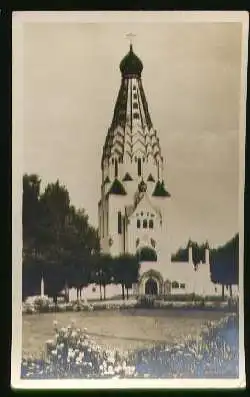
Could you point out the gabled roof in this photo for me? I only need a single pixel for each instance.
(160, 190)
(127, 177)
(143, 202)
(117, 188)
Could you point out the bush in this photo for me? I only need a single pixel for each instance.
(146, 301)
(73, 355)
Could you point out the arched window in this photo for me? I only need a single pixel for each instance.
(151, 224)
(116, 168)
(138, 223)
(145, 224)
(139, 167)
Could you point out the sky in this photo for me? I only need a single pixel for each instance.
(192, 81)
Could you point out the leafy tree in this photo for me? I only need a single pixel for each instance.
(126, 271)
(31, 211)
(102, 273)
(225, 264)
(58, 240)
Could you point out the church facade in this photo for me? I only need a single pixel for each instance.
(133, 208)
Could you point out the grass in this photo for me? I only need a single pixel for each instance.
(124, 330)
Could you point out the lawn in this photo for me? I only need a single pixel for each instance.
(124, 330)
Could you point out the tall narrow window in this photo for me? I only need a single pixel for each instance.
(151, 223)
(139, 167)
(138, 223)
(145, 224)
(103, 224)
(107, 223)
(119, 222)
(116, 168)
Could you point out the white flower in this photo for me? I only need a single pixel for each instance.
(118, 368)
(54, 352)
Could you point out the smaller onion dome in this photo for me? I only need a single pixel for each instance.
(131, 64)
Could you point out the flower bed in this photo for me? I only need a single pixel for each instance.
(73, 355)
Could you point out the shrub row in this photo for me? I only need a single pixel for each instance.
(143, 303)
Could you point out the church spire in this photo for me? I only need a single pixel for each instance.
(131, 114)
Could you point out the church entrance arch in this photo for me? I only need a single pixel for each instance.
(151, 287)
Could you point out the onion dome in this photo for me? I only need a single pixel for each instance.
(131, 64)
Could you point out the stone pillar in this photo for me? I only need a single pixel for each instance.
(207, 256)
(42, 287)
(190, 252)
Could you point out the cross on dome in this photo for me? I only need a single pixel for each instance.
(130, 37)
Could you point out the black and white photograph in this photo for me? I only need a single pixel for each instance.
(128, 192)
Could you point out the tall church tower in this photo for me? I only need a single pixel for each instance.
(132, 209)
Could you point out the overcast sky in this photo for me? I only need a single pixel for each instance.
(191, 78)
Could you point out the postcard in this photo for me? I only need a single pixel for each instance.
(128, 199)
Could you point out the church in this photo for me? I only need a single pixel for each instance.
(135, 196)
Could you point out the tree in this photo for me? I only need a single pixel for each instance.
(57, 236)
(126, 271)
(198, 253)
(225, 264)
(31, 211)
(102, 273)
